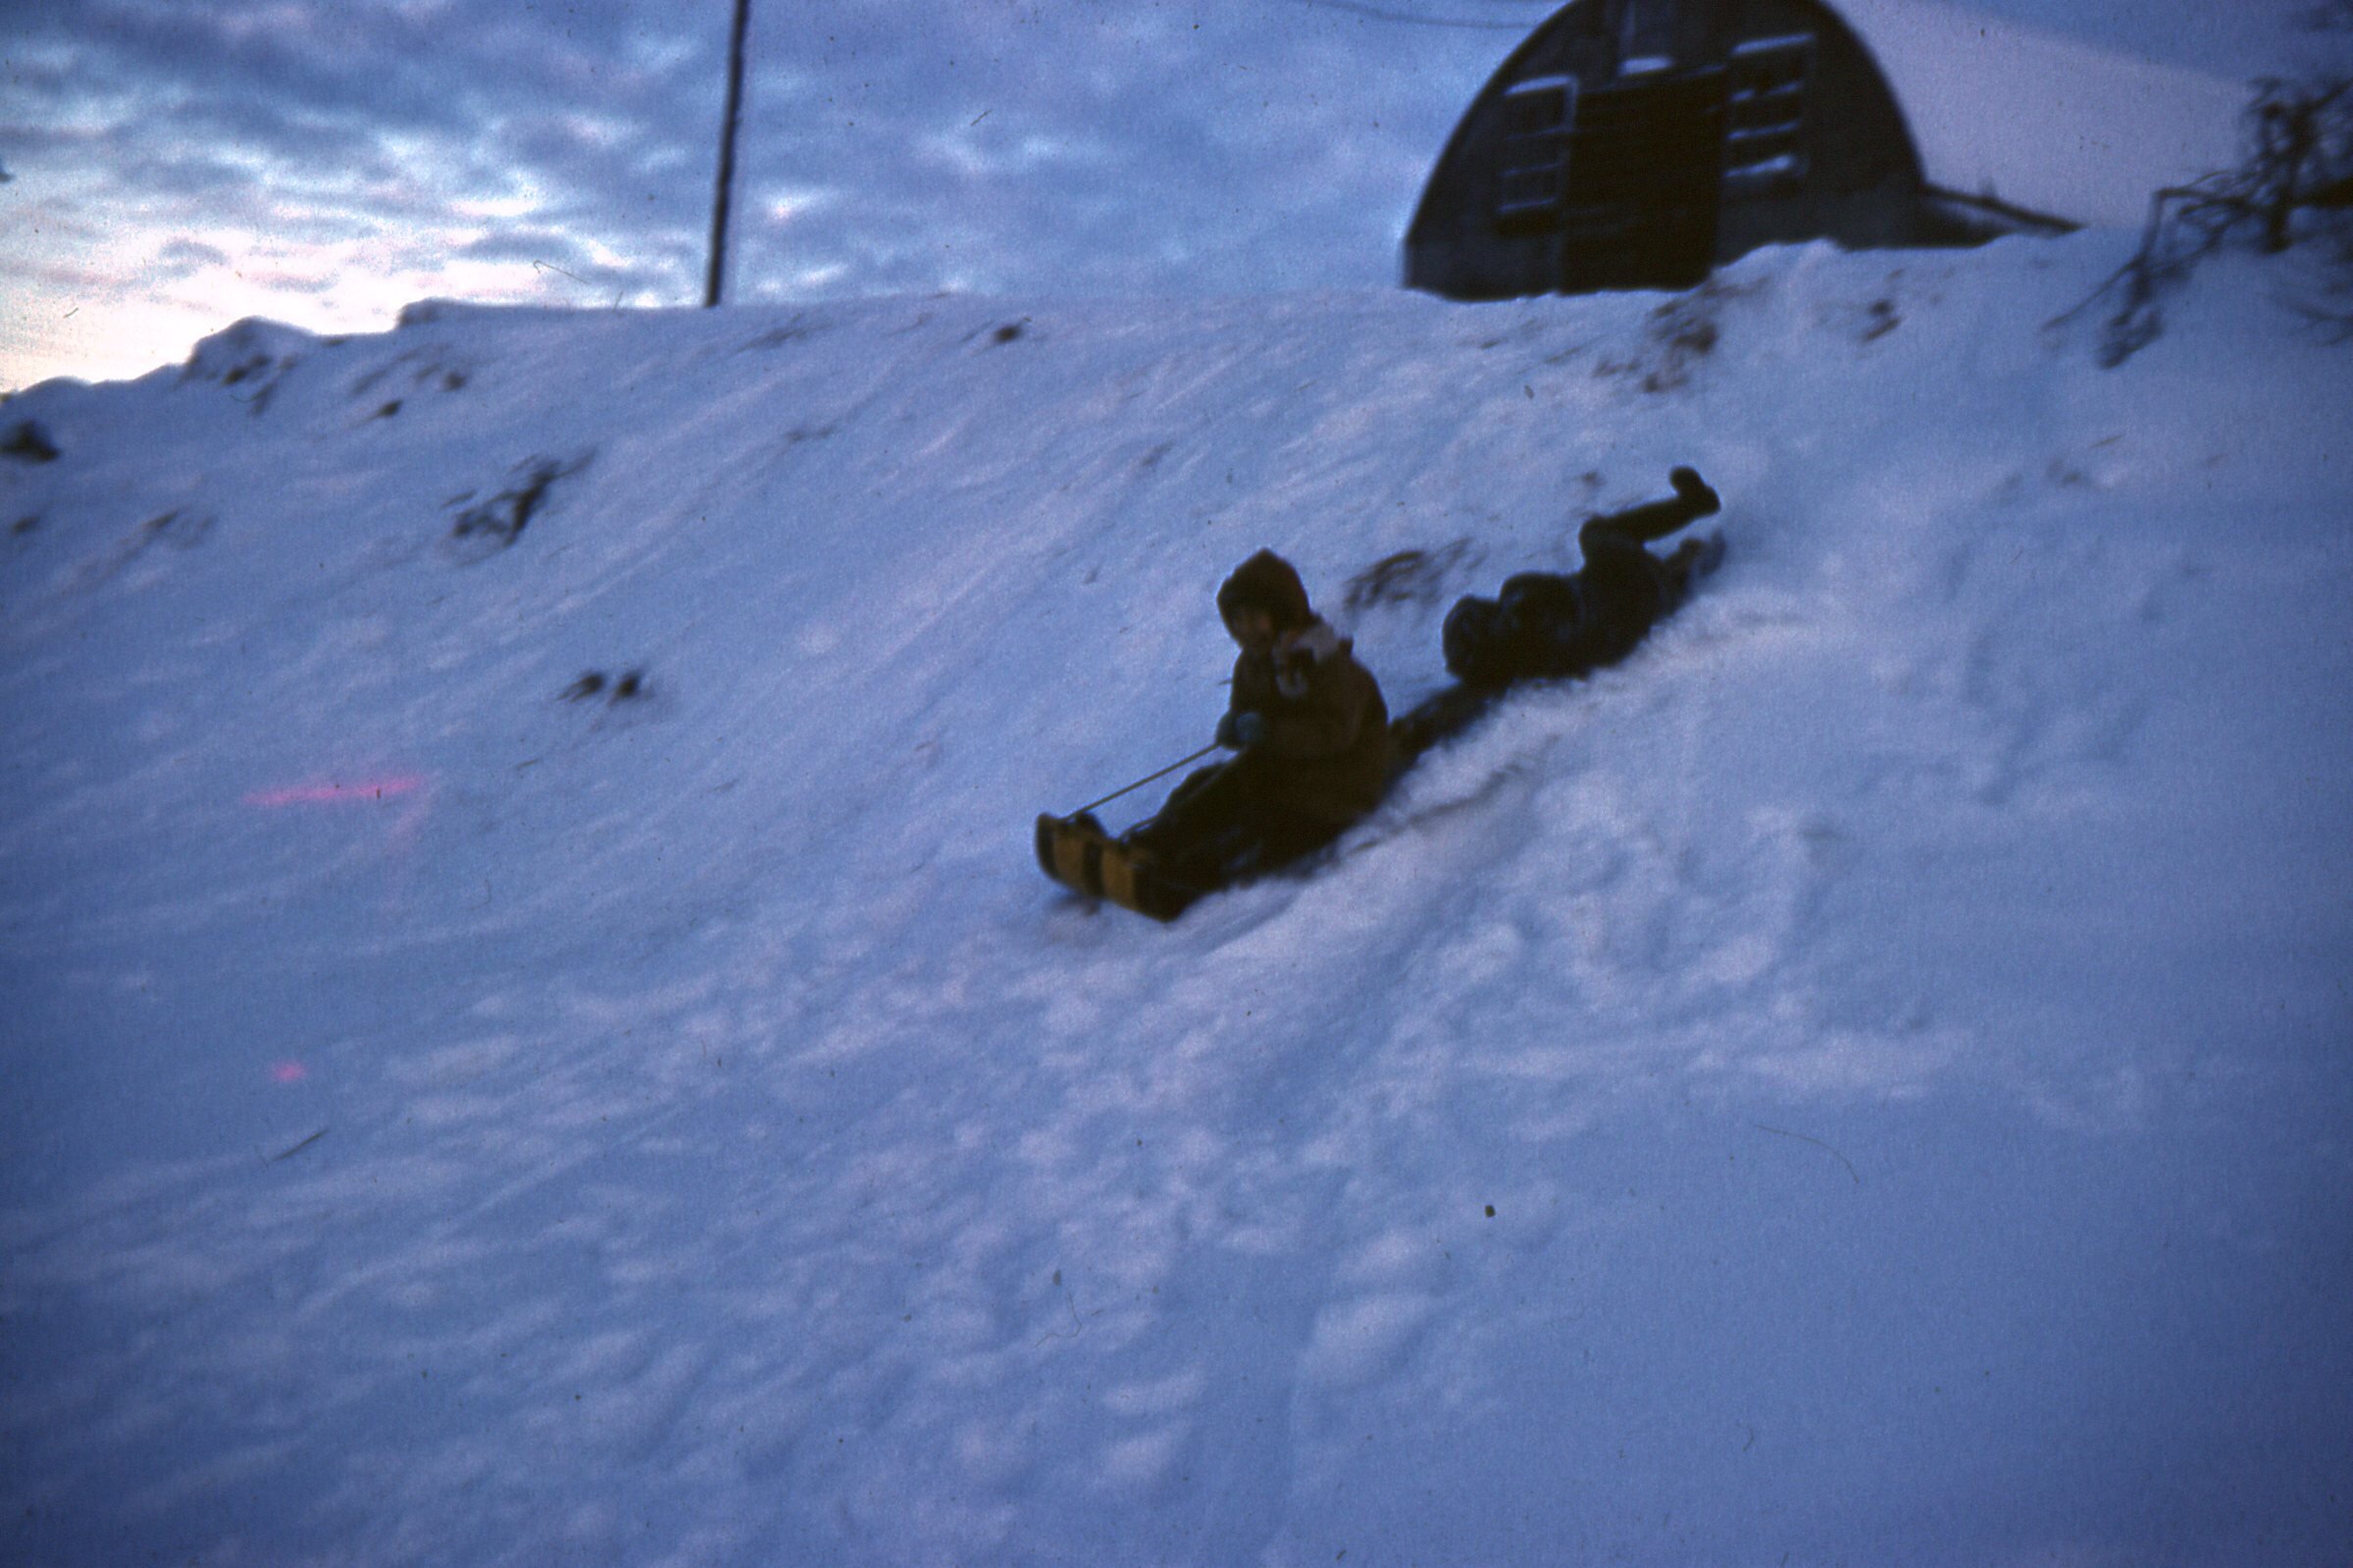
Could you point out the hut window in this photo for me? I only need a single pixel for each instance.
(1649, 32)
(1765, 115)
(1536, 119)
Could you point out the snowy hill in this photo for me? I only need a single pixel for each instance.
(1865, 1082)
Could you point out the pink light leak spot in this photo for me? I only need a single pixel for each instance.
(287, 1072)
(389, 786)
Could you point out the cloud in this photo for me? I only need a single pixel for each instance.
(183, 258)
(888, 145)
(1196, 148)
(302, 139)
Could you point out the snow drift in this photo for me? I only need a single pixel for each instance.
(534, 1034)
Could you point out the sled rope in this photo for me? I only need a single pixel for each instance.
(1140, 783)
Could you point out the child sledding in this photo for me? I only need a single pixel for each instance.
(1546, 626)
(1311, 735)
(1314, 747)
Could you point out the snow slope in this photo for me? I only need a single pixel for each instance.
(1865, 1082)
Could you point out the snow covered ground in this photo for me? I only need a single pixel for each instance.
(1865, 1082)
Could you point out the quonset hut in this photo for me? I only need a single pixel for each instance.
(1640, 143)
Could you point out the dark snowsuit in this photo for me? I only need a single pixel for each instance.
(1545, 625)
(1318, 759)
(1542, 624)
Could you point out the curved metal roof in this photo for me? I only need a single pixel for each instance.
(2044, 122)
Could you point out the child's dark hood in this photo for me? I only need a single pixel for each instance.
(1266, 581)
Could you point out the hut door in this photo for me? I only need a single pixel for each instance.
(1646, 159)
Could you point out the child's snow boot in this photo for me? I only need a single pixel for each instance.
(1695, 492)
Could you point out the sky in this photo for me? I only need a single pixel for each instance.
(174, 166)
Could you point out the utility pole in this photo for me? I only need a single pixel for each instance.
(715, 282)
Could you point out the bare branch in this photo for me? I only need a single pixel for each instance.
(2299, 159)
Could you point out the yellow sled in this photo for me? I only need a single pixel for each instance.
(1077, 853)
